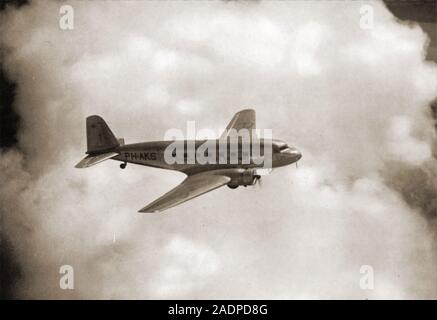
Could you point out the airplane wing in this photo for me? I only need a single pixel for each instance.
(245, 119)
(190, 188)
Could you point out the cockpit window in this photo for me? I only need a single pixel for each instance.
(283, 147)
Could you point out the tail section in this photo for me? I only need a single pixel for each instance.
(99, 137)
(101, 142)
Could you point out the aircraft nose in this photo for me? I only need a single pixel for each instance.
(296, 153)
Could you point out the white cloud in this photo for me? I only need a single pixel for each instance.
(184, 268)
(403, 146)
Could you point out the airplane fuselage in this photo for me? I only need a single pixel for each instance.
(153, 154)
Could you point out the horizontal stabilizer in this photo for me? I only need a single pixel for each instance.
(89, 161)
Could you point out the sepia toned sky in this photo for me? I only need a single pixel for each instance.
(355, 101)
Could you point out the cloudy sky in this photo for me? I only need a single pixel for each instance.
(354, 100)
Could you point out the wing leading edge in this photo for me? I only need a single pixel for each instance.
(193, 186)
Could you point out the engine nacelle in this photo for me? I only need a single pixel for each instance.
(244, 178)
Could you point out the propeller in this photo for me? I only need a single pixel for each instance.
(258, 173)
(258, 180)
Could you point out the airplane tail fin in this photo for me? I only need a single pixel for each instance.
(99, 137)
(101, 142)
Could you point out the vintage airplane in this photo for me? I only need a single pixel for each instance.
(201, 178)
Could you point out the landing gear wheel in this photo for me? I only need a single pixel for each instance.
(123, 165)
